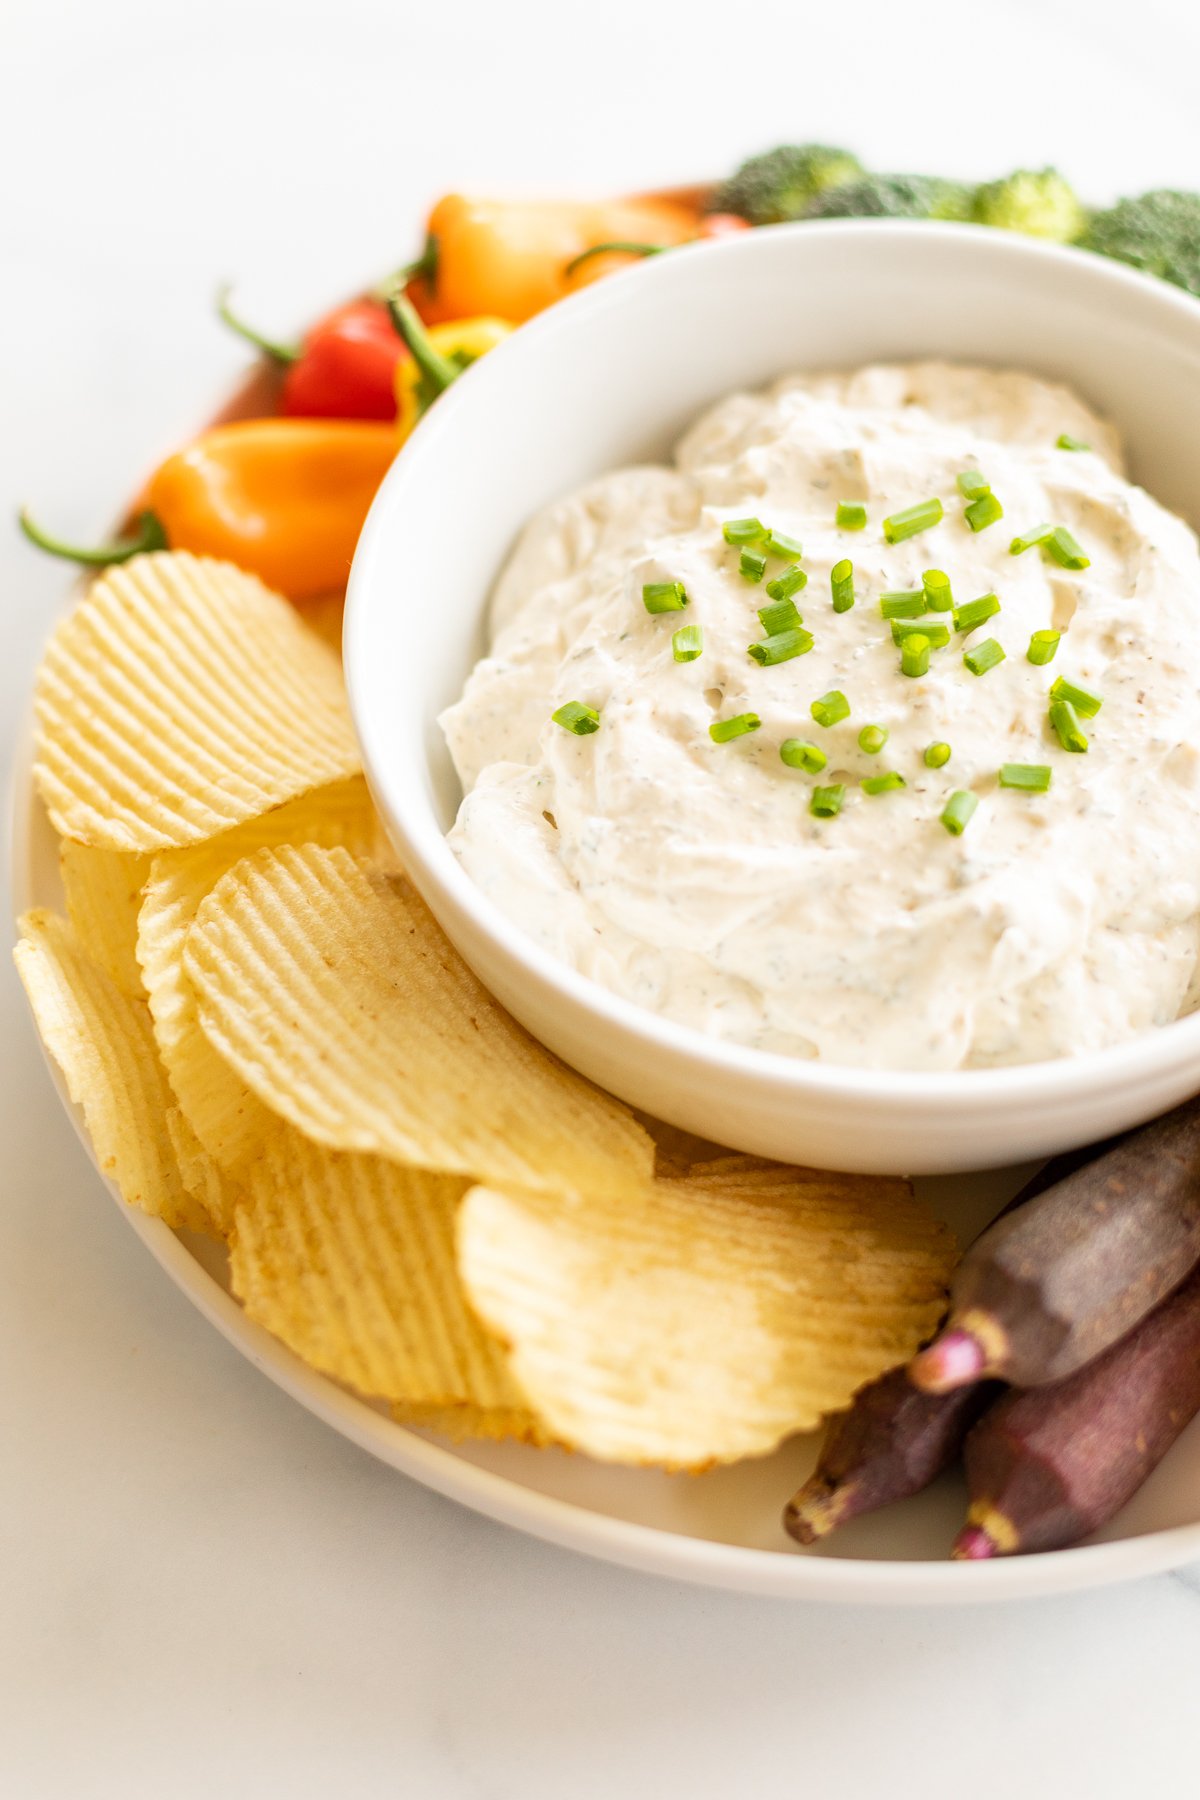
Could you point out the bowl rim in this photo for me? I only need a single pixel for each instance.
(434, 868)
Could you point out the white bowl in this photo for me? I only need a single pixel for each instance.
(613, 376)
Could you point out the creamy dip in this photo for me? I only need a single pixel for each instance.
(691, 877)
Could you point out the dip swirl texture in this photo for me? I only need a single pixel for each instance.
(690, 877)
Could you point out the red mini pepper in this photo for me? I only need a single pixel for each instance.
(345, 367)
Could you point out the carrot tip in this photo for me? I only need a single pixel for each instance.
(974, 1544)
(953, 1360)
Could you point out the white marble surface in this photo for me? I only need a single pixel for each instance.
(201, 1589)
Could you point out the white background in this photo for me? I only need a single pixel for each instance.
(202, 1590)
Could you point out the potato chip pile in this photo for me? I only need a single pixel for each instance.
(271, 1041)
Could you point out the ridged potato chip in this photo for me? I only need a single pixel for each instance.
(324, 615)
(104, 1044)
(178, 699)
(225, 1116)
(103, 890)
(462, 1423)
(709, 1322)
(350, 1261)
(202, 1176)
(333, 993)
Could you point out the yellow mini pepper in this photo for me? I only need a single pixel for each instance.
(439, 354)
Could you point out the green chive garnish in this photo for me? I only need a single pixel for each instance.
(882, 784)
(799, 755)
(1065, 441)
(1087, 705)
(975, 612)
(911, 520)
(743, 531)
(907, 603)
(752, 564)
(983, 512)
(972, 486)
(938, 597)
(687, 643)
(1042, 646)
(871, 739)
(779, 544)
(782, 646)
(664, 596)
(1027, 778)
(826, 802)
(851, 515)
(1064, 550)
(577, 718)
(938, 634)
(831, 708)
(914, 654)
(1064, 722)
(958, 810)
(937, 756)
(1028, 539)
(787, 584)
(841, 581)
(725, 730)
(984, 656)
(781, 615)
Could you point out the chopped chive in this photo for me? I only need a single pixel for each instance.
(972, 486)
(779, 544)
(781, 615)
(1028, 539)
(911, 520)
(743, 531)
(787, 584)
(725, 730)
(914, 654)
(841, 582)
(1042, 646)
(782, 646)
(983, 512)
(938, 597)
(872, 738)
(958, 810)
(1087, 705)
(831, 708)
(799, 755)
(937, 756)
(967, 617)
(826, 802)
(1027, 778)
(851, 515)
(1064, 441)
(752, 564)
(984, 656)
(883, 784)
(1064, 722)
(906, 603)
(687, 643)
(664, 596)
(577, 718)
(938, 634)
(1062, 548)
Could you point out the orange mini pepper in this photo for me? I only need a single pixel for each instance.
(283, 498)
(508, 258)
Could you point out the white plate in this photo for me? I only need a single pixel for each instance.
(721, 1529)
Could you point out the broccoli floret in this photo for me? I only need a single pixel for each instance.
(893, 197)
(1038, 202)
(1158, 232)
(779, 184)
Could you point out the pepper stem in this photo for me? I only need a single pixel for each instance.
(147, 534)
(284, 354)
(422, 268)
(437, 369)
(621, 245)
